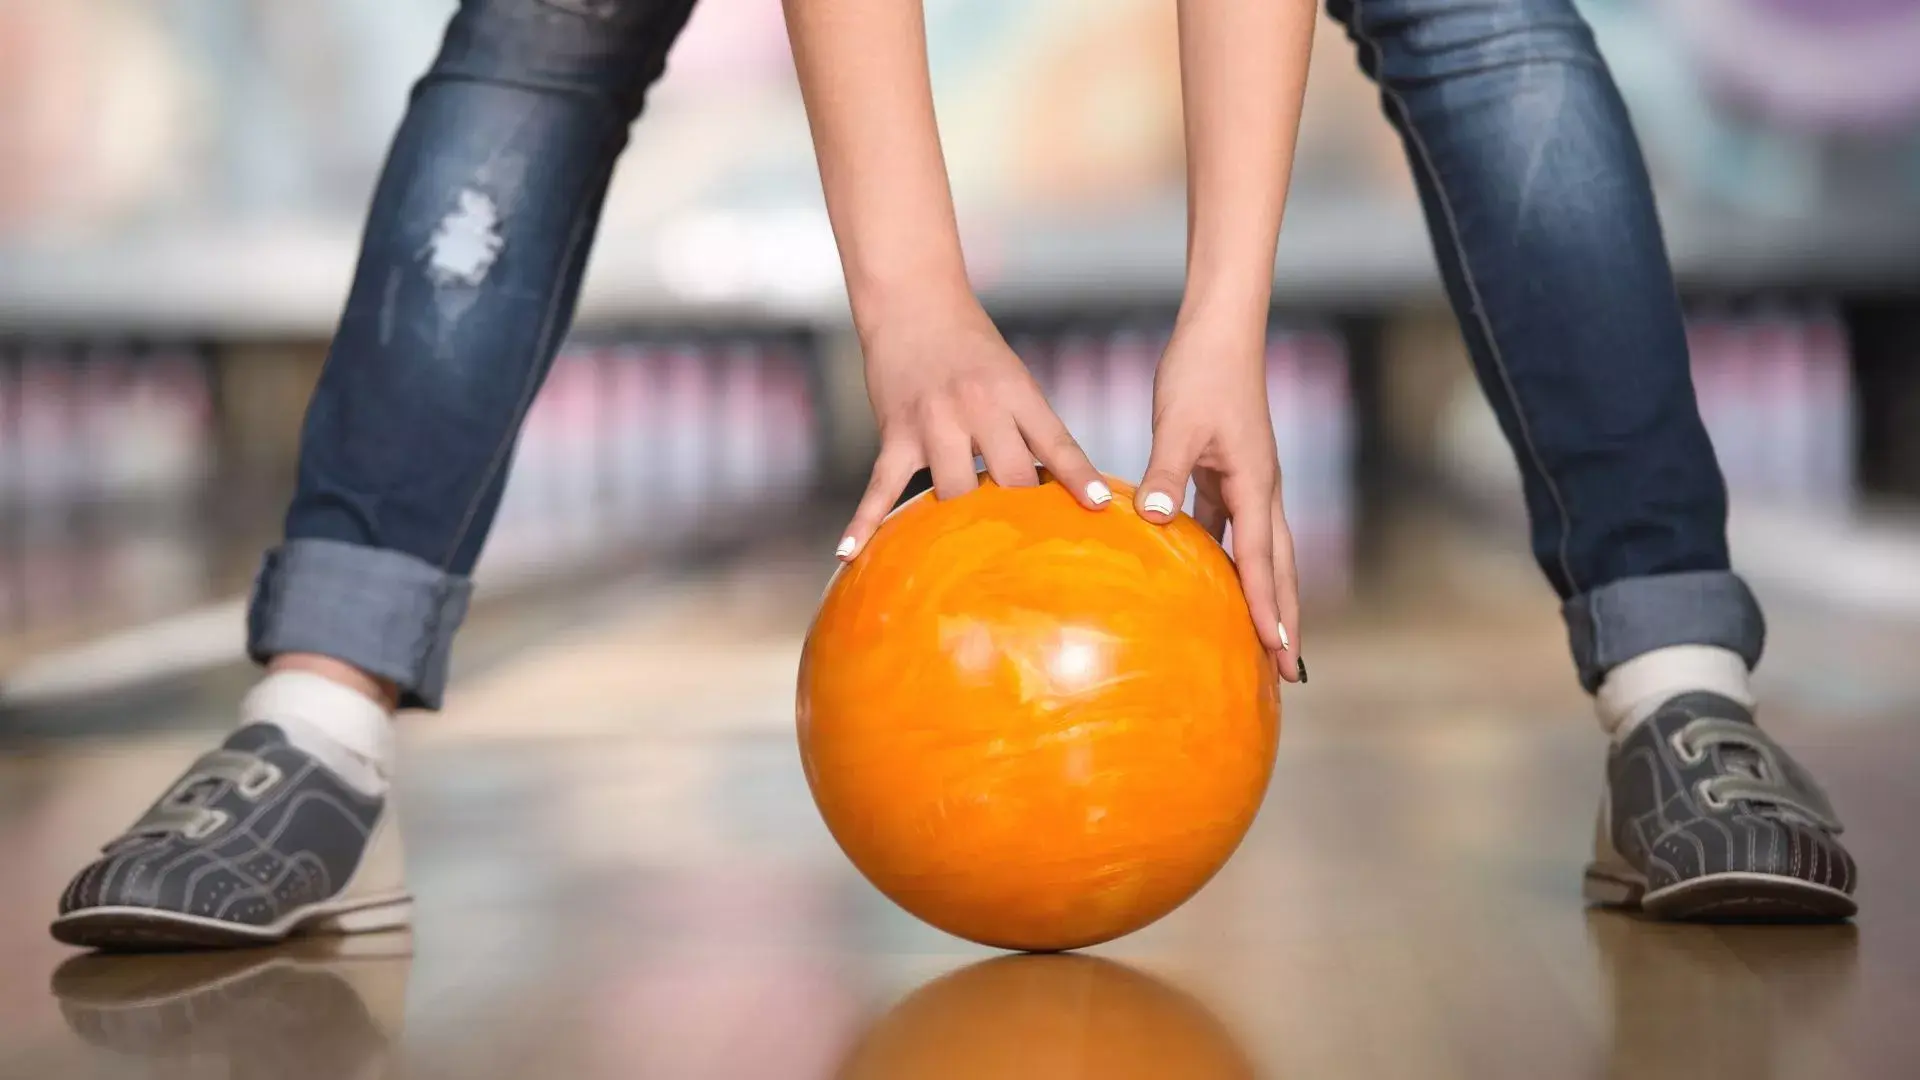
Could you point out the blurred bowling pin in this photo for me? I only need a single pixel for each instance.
(631, 414)
(794, 445)
(1710, 335)
(687, 413)
(1132, 356)
(47, 434)
(1078, 394)
(738, 433)
(1783, 450)
(574, 395)
(1830, 389)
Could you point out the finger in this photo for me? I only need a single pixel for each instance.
(1164, 487)
(1055, 446)
(898, 462)
(1009, 461)
(1286, 590)
(949, 452)
(1251, 506)
(1210, 513)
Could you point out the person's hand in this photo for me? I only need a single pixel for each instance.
(944, 386)
(1211, 424)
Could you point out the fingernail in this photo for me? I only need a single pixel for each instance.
(846, 548)
(1285, 641)
(1100, 493)
(1159, 503)
(1300, 662)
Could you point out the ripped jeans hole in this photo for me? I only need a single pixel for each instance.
(467, 241)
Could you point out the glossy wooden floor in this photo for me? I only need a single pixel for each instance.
(620, 875)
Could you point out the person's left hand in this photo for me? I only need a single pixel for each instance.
(1211, 424)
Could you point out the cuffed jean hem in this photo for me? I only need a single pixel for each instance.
(390, 615)
(1619, 621)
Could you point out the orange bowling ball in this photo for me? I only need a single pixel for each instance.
(1035, 726)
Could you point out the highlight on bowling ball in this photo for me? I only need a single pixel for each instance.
(1034, 726)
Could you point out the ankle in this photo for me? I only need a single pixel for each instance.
(1636, 689)
(345, 729)
(380, 691)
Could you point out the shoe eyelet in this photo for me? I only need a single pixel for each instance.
(1689, 754)
(1707, 797)
(205, 825)
(258, 781)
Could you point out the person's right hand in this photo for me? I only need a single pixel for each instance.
(945, 386)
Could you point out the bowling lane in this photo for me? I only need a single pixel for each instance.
(620, 875)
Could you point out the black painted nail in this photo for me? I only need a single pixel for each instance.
(1300, 662)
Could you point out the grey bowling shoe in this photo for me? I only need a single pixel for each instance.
(258, 841)
(1707, 818)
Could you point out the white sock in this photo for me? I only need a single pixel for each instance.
(347, 731)
(1636, 689)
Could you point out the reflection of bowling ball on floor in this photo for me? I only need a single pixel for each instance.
(1047, 1017)
(1035, 726)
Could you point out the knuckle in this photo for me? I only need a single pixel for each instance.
(973, 391)
(884, 480)
(896, 448)
(927, 411)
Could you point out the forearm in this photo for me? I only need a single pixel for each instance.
(1243, 77)
(869, 98)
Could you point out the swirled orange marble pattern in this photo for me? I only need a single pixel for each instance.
(1035, 726)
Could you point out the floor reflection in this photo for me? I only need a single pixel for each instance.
(1748, 1001)
(321, 1009)
(1050, 1017)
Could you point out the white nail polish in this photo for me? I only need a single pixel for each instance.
(1285, 642)
(846, 548)
(1160, 503)
(1100, 493)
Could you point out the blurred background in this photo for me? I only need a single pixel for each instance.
(182, 184)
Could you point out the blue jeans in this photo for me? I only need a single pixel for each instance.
(1542, 219)
(1538, 201)
(466, 283)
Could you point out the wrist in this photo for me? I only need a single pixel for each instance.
(1230, 313)
(933, 296)
(1222, 289)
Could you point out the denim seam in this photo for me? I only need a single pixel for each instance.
(536, 375)
(1424, 160)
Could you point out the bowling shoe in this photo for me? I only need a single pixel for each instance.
(256, 842)
(1707, 818)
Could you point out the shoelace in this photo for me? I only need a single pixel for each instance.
(1758, 771)
(183, 810)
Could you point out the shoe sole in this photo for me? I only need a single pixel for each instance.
(137, 929)
(1726, 897)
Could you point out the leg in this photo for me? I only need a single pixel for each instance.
(479, 233)
(1543, 221)
(466, 283)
